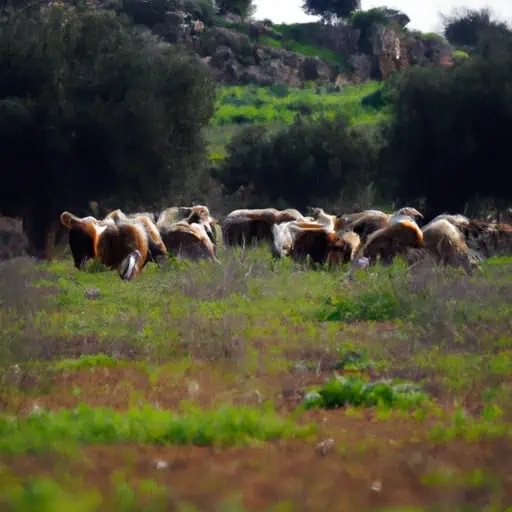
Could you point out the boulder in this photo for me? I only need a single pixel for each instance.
(315, 69)
(362, 67)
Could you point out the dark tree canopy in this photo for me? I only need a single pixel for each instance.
(449, 141)
(306, 162)
(466, 27)
(329, 9)
(240, 7)
(93, 109)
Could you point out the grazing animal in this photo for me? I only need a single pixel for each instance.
(173, 214)
(330, 222)
(191, 214)
(250, 226)
(487, 238)
(388, 242)
(447, 245)
(83, 234)
(320, 244)
(156, 246)
(282, 241)
(122, 246)
(201, 215)
(188, 240)
(353, 244)
(369, 221)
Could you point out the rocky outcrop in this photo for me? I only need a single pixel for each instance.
(392, 51)
(428, 52)
(389, 52)
(235, 59)
(374, 48)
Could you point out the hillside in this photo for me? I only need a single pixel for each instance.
(272, 73)
(369, 46)
(277, 105)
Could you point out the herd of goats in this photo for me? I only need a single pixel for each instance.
(127, 242)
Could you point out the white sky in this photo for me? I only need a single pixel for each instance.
(424, 14)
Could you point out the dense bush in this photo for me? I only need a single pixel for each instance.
(92, 108)
(449, 140)
(161, 15)
(303, 163)
(240, 7)
(330, 9)
(466, 27)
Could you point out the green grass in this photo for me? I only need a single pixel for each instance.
(44, 431)
(279, 104)
(194, 354)
(308, 50)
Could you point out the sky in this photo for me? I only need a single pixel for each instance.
(424, 15)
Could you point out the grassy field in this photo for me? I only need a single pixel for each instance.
(239, 106)
(255, 386)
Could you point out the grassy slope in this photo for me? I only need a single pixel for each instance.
(195, 356)
(238, 106)
(278, 105)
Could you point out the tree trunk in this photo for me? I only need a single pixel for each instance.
(40, 226)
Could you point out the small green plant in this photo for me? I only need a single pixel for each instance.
(368, 305)
(461, 425)
(433, 36)
(42, 494)
(354, 391)
(352, 358)
(460, 56)
(86, 361)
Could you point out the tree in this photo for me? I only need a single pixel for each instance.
(304, 163)
(243, 8)
(329, 9)
(449, 139)
(93, 109)
(466, 27)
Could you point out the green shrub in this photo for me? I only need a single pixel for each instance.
(354, 391)
(460, 56)
(433, 36)
(203, 10)
(295, 163)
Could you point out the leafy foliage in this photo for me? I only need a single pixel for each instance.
(466, 27)
(355, 391)
(329, 9)
(241, 7)
(294, 164)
